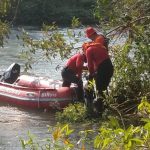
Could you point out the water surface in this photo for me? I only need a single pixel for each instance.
(16, 122)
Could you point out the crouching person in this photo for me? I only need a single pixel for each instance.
(72, 73)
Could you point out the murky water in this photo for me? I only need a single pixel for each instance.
(16, 122)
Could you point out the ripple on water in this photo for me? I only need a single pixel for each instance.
(16, 122)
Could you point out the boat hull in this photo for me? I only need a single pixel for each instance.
(35, 104)
(36, 97)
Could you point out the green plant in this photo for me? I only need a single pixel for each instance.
(130, 47)
(73, 113)
(59, 140)
(53, 44)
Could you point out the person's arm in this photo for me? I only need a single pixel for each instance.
(79, 65)
(90, 61)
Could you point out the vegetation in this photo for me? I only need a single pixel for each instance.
(110, 136)
(73, 113)
(4, 29)
(37, 12)
(130, 20)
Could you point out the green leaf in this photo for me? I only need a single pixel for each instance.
(138, 141)
(106, 142)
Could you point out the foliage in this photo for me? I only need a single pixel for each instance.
(134, 137)
(127, 139)
(144, 108)
(73, 113)
(5, 7)
(52, 44)
(110, 135)
(123, 14)
(37, 12)
(60, 140)
(4, 32)
(4, 27)
(130, 24)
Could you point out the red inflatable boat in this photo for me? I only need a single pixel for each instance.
(34, 92)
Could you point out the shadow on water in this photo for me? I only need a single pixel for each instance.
(16, 122)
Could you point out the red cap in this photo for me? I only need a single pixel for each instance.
(89, 31)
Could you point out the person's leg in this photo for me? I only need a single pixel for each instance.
(70, 77)
(66, 83)
(74, 79)
(65, 73)
(103, 78)
(80, 91)
(104, 74)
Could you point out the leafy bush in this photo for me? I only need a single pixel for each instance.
(129, 48)
(73, 113)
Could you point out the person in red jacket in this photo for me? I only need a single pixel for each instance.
(96, 38)
(72, 73)
(100, 67)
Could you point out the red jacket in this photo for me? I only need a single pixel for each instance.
(95, 55)
(75, 63)
(100, 39)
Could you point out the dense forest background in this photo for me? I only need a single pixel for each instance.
(37, 12)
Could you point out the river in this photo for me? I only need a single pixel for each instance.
(16, 122)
